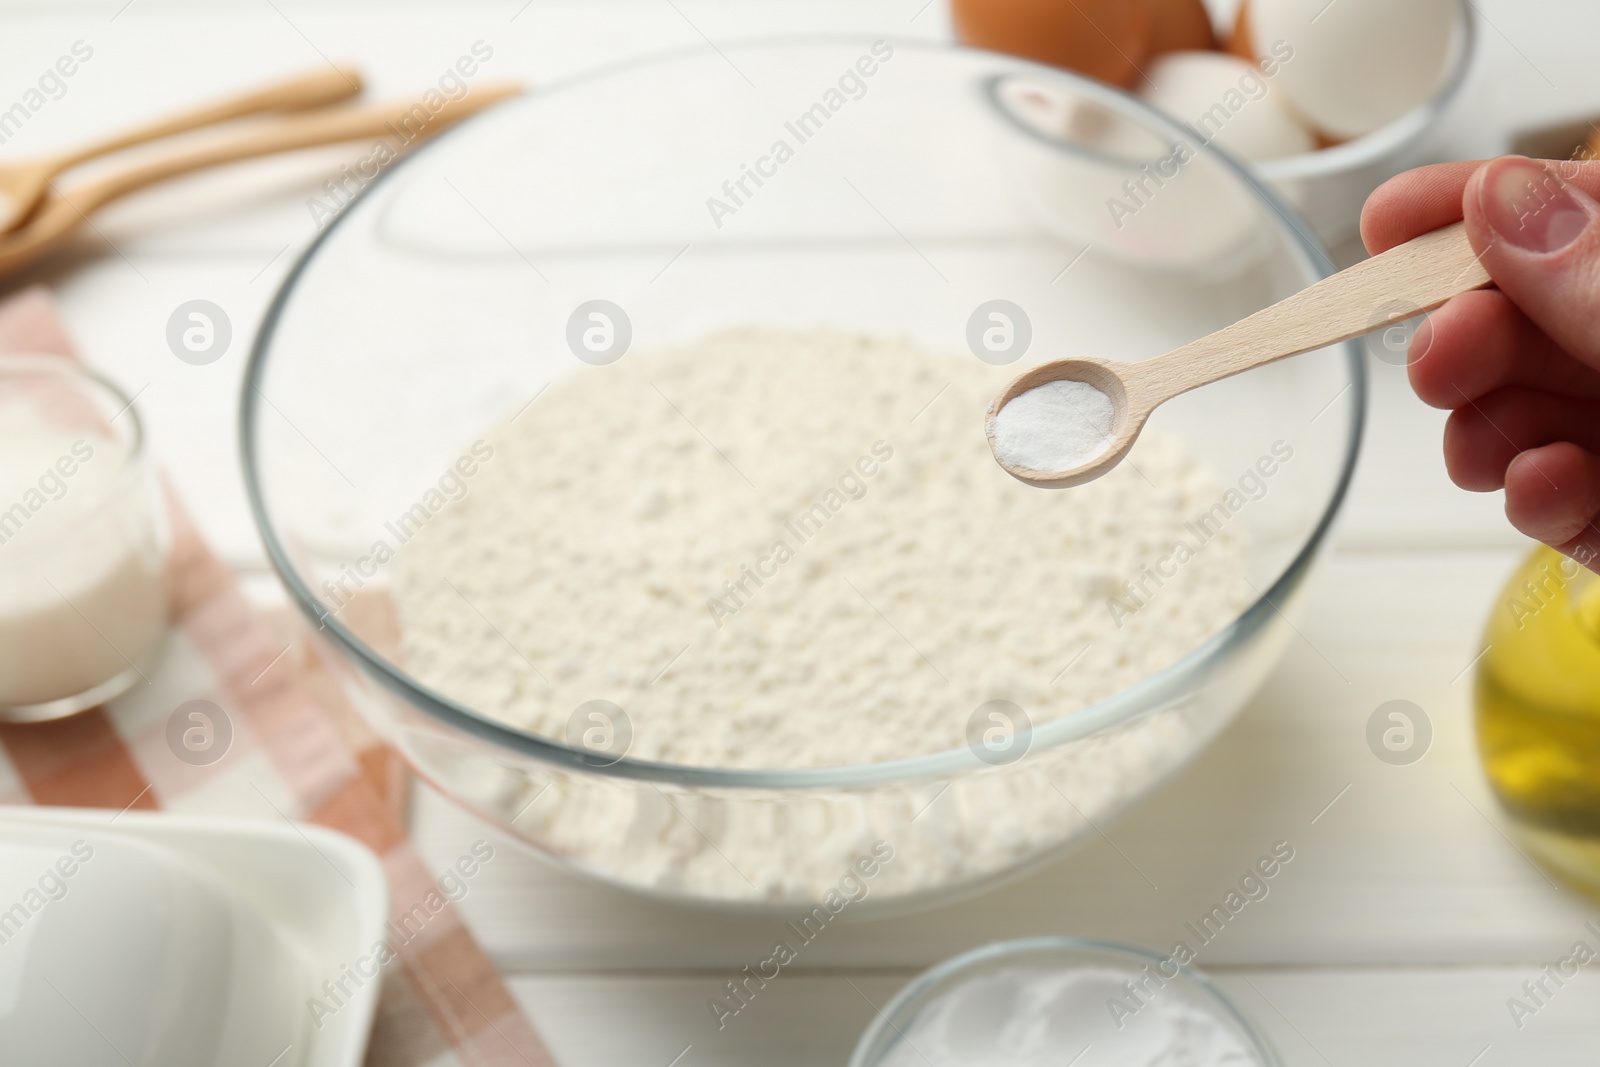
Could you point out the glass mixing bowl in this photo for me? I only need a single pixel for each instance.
(441, 300)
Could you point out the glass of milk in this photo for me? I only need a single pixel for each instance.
(83, 542)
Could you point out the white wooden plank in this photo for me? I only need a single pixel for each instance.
(1407, 867)
(170, 51)
(1375, 1018)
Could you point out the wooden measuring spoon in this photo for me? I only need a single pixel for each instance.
(23, 185)
(63, 212)
(1407, 280)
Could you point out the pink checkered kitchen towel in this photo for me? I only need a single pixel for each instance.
(297, 740)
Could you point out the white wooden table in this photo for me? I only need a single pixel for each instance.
(1407, 918)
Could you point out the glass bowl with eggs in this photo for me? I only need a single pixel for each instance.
(626, 444)
(1325, 100)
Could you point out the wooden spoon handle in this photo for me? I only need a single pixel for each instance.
(398, 124)
(293, 94)
(1407, 280)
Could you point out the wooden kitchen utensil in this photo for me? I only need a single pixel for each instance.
(399, 124)
(1407, 280)
(23, 184)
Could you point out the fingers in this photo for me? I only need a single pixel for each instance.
(1414, 203)
(1483, 437)
(1480, 342)
(1427, 198)
(1585, 548)
(1553, 495)
(1518, 365)
(1539, 238)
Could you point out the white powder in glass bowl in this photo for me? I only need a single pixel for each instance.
(790, 550)
(794, 550)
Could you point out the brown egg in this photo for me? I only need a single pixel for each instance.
(1181, 26)
(1105, 39)
(1239, 42)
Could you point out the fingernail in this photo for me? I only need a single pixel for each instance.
(1529, 206)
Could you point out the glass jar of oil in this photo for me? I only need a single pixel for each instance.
(1538, 712)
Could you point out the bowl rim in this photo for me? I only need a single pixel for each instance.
(1144, 697)
(997, 950)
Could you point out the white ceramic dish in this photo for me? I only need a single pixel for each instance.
(218, 913)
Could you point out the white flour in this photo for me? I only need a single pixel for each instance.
(1043, 1018)
(795, 550)
(1054, 427)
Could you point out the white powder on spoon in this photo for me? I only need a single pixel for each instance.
(1057, 426)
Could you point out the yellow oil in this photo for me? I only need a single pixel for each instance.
(1538, 712)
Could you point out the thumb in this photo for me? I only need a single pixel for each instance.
(1539, 238)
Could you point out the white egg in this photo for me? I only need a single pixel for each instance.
(1353, 66)
(1228, 102)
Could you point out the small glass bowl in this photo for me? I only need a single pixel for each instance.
(1327, 187)
(83, 542)
(889, 1028)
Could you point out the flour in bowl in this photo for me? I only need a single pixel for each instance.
(776, 549)
(795, 550)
